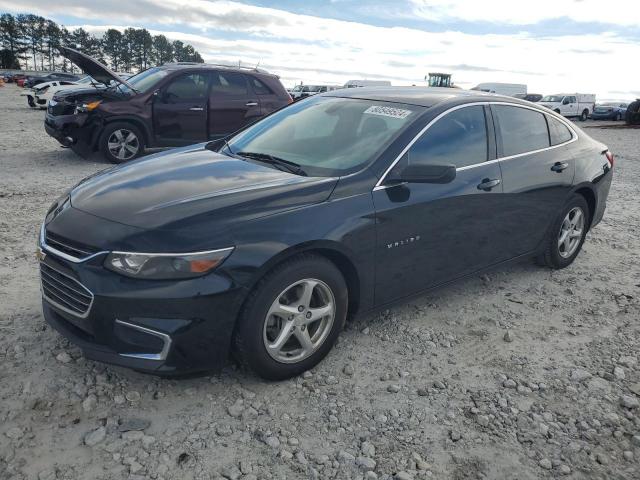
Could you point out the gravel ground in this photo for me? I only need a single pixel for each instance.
(521, 373)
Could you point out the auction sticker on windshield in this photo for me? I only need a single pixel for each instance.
(388, 112)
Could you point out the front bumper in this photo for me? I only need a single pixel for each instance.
(603, 116)
(71, 130)
(160, 327)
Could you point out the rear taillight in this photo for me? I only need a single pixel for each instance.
(609, 156)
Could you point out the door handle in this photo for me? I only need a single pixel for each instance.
(559, 166)
(196, 109)
(252, 104)
(488, 183)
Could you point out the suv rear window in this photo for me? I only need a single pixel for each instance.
(228, 84)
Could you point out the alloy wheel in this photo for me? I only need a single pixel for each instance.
(299, 321)
(123, 144)
(571, 232)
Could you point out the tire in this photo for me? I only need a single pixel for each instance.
(121, 133)
(557, 110)
(30, 101)
(584, 115)
(260, 323)
(618, 117)
(556, 255)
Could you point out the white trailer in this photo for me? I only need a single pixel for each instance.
(508, 89)
(571, 104)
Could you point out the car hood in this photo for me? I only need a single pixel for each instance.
(99, 72)
(193, 186)
(80, 93)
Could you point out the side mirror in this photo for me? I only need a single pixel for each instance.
(427, 173)
(565, 101)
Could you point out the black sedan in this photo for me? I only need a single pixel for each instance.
(263, 244)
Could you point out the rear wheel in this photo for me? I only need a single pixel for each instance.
(566, 236)
(292, 318)
(121, 142)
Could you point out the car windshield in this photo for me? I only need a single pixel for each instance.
(297, 88)
(144, 81)
(86, 79)
(327, 136)
(553, 98)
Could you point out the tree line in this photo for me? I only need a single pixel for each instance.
(31, 42)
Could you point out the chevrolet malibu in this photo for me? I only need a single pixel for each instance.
(261, 245)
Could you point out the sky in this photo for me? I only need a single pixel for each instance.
(552, 46)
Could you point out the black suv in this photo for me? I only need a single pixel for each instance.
(171, 105)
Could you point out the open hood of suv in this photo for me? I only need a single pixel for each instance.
(92, 67)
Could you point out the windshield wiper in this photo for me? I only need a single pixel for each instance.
(270, 159)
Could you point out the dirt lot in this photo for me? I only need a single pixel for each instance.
(521, 373)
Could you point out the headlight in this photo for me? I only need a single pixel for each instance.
(87, 107)
(164, 266)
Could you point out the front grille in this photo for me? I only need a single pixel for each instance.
(65, 292)
(69, 247)
(60, 108)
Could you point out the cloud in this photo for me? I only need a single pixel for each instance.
(313, 49)
(615, 12)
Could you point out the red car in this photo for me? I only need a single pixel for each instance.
(19, 80)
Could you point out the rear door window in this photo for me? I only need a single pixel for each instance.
(458, 138)
(228, 84)
(558, 131)
(521, 129)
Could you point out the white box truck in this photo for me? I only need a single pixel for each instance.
(508, 89)
(571, 104)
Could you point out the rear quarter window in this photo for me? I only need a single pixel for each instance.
(558, 131)
(521, 129)
(259, 87)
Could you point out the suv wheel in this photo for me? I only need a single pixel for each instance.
(292, 319)
(121, 142)
(566, 236)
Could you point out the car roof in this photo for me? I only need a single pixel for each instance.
(213, 66)
(421, 96)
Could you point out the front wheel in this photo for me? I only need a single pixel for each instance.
(30, 101)
(584, 115)
(618, 117)
(292, 318)
(121, 142)
(566, 236)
